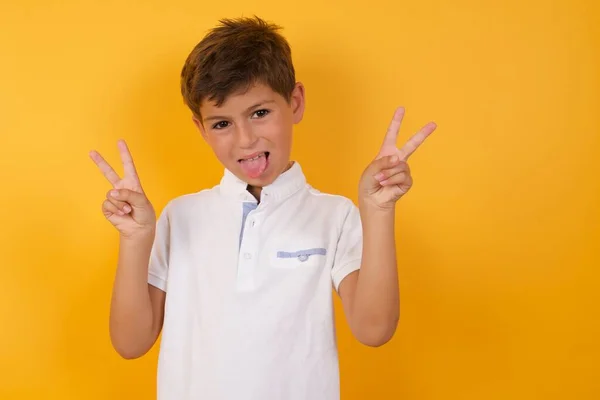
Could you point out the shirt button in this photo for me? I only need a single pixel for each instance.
(247, 256)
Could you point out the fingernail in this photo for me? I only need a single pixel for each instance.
(114, 193)
(394, 159)
(379, 176)
(383, 182)
(127, 209)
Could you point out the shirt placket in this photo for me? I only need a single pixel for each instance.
(248, 254)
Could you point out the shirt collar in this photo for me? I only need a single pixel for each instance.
(284, 185)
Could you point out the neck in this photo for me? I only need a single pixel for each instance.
(254, 191)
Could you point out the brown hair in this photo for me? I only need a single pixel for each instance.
(233, 56)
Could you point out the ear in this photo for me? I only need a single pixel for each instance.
(199, 125)
(298, 102)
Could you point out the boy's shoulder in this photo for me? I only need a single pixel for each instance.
(189, 200)
(332, 199)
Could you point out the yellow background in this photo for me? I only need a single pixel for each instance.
(498, 239)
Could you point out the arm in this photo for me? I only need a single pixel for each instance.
(370, 296)
(137, 308)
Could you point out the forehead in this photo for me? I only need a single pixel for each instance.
(242, 99)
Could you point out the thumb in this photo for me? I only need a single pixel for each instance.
(136, 199)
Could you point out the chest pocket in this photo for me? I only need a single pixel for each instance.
(299, 258)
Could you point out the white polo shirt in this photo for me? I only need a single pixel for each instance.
(249, 307)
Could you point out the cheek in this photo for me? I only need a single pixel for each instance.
(222, 147)
(280, 132)
(281, 138)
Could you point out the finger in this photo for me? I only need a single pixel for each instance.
(391, 137)
(121, 205)
(382, 163)
(106, 169)
(135, 199)
(128, 165)
(398, 178)
(416, 140)
(389, 172)
(109, 209)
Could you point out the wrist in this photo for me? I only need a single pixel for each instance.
(139, 238)
(369, 209)
(377, 220)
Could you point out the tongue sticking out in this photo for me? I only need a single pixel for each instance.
(255, 167)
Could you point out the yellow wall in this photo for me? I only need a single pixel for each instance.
(499, 238)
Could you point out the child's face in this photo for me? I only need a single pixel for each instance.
(251, 132)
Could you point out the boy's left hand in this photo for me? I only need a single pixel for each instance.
(388, 178)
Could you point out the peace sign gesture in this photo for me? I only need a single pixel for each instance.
(388, 177)
(126, 206)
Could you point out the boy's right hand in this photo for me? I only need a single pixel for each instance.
(126, 206)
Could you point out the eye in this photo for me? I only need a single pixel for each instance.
(261, 113)
(221, 125)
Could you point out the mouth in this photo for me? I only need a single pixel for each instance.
(254, 165)
(254, 157)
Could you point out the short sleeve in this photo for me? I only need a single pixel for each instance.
(159, 256)
(348, 253)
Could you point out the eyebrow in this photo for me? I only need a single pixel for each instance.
(220, 117)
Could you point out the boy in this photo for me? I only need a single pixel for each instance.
(238, 277)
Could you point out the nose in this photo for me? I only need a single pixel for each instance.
(246, 137)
